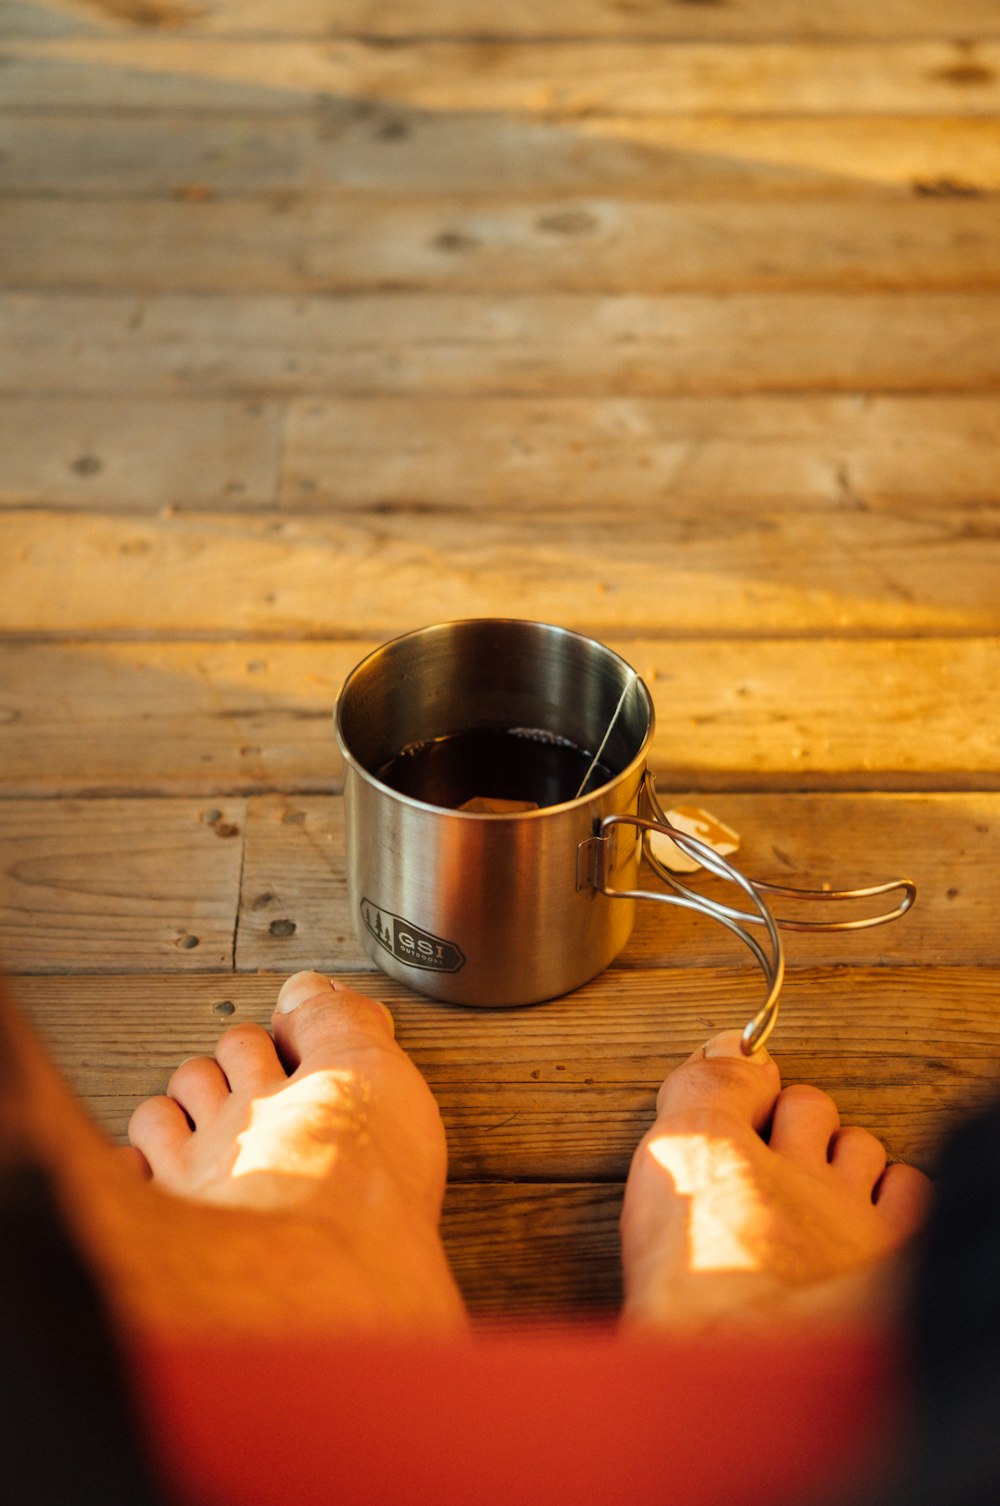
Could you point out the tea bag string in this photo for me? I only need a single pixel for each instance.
(604, 740)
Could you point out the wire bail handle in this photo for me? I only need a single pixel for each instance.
(770, 957)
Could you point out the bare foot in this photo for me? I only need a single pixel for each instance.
(269, 1201)
(328, 1113)
(719, 1225)
(328, 1123)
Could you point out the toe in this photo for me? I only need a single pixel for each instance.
(858, 1157)
(317, 1019)
(159, 1129)
(247, 1056)
(200, 1086)
(903, 1197)
(805, 1122)
(719, 1078)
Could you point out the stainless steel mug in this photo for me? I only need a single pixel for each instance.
(496, 906)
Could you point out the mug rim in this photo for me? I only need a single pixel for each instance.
(638, 759)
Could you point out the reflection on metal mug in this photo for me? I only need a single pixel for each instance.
(498, 807)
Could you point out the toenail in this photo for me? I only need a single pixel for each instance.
(300, 987)
(728, 1044)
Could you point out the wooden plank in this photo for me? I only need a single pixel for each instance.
(224, 574)
(401, 453)
(577, 453)
(559, 344)
(119, 886)
(392, 149)
(205, 718)
(294, 910)
(560, 1248)
(157, 69)
(293, 898)
(522, 18)
(84, 718)
(69, 153)
(146, 454)
(568, 245)
(566, 1089)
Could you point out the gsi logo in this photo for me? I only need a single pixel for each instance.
(409, 943)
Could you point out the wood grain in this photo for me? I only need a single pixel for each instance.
(201, 718)
(542, 18)
(230, 574)
(520, 344)
(77, 451)
(324, 147)
(112, 885)
(577, 244)
(744, 454)
(561, 1252)
(399, 454)
(294, 909)
(560, 78)
(120, 886)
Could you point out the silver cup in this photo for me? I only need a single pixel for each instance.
(483, 908)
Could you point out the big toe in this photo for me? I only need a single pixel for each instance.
(321, 1026)
(718, 1078)
(317, 1019)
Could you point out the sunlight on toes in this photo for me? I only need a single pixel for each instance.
(302, 1129)
(709, 1173)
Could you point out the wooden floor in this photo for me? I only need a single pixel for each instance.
(675, 323)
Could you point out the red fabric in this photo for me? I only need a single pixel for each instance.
(518, 1418)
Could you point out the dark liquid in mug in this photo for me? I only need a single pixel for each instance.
(495, 763)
